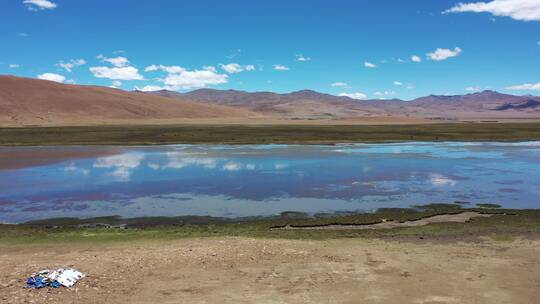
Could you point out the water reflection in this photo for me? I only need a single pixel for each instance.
(221, 180)
(121, 165)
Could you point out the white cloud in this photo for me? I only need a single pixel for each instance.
(368, 64)
(116, 83)
(231, 166)
(121, 69)
(74, 169)
(416, 58)
(35, 5)
(149, 88)
(233, 68)
(194, 79)
(151, 68)
(68, 66)
(401, 60)
(116, 73)
(441, 180)
(410, 86)
(526, 86)
(385, 94)
(23, 34)
(279, 67)
(280, 166)
(172, 69)
(234, 166)
(118, 62)
(301, 57)
(164, 68)
(122, 164)
(179, 160)
(357, 95)
(179, 78)
(398, 83)
(473, 89)
(14, 66)
(340, 84)
(443, 54)
(52, 77)
(153, 166)
(525, 10)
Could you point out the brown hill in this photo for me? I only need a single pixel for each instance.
(25, 101)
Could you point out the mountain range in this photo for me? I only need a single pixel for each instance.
(314, 105)
(26, 101)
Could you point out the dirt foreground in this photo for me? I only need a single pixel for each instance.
(245, 270)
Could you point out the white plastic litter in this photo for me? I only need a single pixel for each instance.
(66, 277)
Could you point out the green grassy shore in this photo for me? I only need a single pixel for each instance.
(243, 134)
(504, 224)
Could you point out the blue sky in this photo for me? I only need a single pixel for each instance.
(361, 48)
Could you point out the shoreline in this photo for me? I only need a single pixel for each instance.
(429, 221)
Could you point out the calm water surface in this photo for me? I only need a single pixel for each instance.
(237, 181)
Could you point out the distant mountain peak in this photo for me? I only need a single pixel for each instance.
(487, 93)
(305, 91)
(310, 94)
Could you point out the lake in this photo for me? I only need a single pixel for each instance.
(261, 180)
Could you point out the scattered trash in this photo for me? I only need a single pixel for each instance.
(54, 279)
(68, 277)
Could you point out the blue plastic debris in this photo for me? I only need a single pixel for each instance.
(36, 281)
(30, 282)
(55, 284)
(54, 279)
(40, 283)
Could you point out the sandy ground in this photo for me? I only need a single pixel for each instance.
(243, 270)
